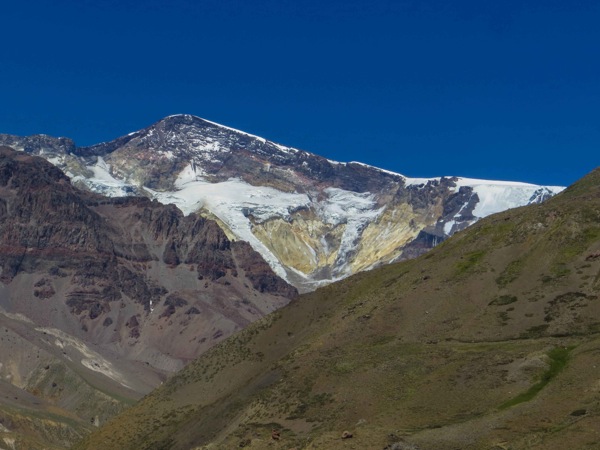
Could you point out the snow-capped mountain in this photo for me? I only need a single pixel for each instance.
(313, 220)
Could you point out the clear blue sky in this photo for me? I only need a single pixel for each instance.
(489, 89)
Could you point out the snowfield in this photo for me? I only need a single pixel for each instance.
(233, 201)
(240, 205)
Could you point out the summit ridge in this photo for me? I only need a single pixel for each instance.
(314, 220)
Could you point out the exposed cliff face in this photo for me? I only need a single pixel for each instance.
(113, 257)
(111, 294)
(312, 219)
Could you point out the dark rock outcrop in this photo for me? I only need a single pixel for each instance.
(98, 260)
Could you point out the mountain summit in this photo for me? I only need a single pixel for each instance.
(313, 220)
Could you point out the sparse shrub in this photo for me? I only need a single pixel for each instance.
(534, 332)
(503, 300)
(469, 261)
(503, 316)
(560, 271)
(510, 273)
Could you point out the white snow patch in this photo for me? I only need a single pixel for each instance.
(233, 201)
(189, 174)
(283, 148)
(16, 316)
(354, 209)
(342, 206)
(102, 171)
(448, 227)
(90, 359)
(477, 182)
(377, 168)
(103, 182)
(497, 196)
(56, 160)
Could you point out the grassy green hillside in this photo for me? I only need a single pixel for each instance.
(490, 341)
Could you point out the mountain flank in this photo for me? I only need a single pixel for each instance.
(489, 341)
(312, 219)
(102, 298)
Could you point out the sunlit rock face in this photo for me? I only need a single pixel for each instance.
(312, 219)
(133, 276)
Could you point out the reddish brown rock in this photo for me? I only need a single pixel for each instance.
(87, 264)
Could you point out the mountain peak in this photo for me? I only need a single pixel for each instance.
(180, 121)
(314, 220)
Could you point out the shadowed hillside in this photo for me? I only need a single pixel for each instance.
(490, 341)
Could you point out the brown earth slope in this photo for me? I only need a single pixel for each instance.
(101, 299)
(490, 341)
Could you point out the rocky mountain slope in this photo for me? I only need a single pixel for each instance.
(312, 219)
(102, 298)
(489, 341)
